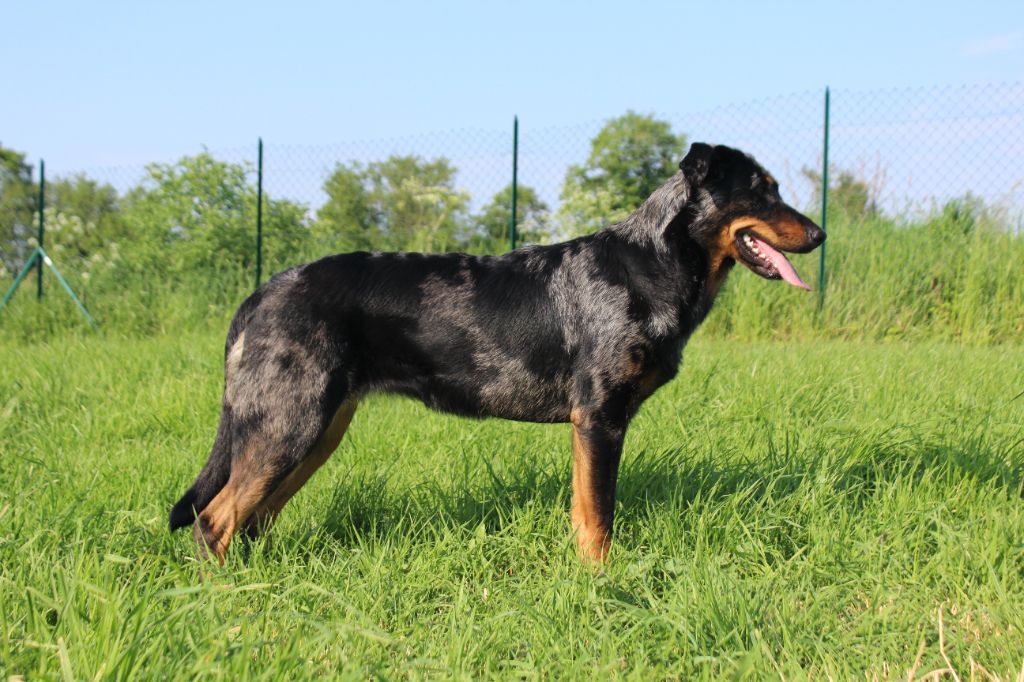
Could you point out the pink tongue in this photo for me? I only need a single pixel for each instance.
(781, 264)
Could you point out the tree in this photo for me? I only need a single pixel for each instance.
(402, 203)
(849, 196)
(346, 222)
(94, 207)
(84, 228)
(200, 214)
(533, 220)
(630, 157)
(17, 209)
(83, 219)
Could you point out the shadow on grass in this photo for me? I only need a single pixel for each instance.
(852, 469)
(371, 506)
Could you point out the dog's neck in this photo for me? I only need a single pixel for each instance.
(664, 222)
(704, 271)
(669, 269)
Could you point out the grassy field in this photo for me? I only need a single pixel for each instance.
(790, 508)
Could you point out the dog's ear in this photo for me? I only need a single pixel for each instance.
(697, 163)
(654, 216)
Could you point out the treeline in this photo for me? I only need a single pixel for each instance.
(197, 215)
(178, 249)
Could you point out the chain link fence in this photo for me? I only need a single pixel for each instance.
(904, 154)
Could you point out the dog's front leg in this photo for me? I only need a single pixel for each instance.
(596, 448)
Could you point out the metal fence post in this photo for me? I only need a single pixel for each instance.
(42, 224)
(515, 179)
(824, 207)
(259, 210)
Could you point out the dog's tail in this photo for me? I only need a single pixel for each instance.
(214, 475)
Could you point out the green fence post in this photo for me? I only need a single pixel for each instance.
(259, 211)
(42, 223)
(515, 179)
(824, 207)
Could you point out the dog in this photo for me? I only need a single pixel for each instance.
(582, 332)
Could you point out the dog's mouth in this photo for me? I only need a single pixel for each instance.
(766, 260)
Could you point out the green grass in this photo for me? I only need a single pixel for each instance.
(794, 508)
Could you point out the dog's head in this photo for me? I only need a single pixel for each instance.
(735, 212)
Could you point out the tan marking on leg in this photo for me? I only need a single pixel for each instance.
(265, 514)
(593, 537)
(643, 377)
(231, 507)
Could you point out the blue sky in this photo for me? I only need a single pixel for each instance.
(106, 83)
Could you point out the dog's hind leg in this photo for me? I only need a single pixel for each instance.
(596, 448)
(264, 515)
(252, 477)
(272, 456)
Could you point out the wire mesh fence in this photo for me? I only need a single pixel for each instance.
(916, 149)
(904, 154)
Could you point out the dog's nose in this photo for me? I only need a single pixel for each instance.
(816, 235)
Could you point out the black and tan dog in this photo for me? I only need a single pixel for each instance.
(580, 332)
